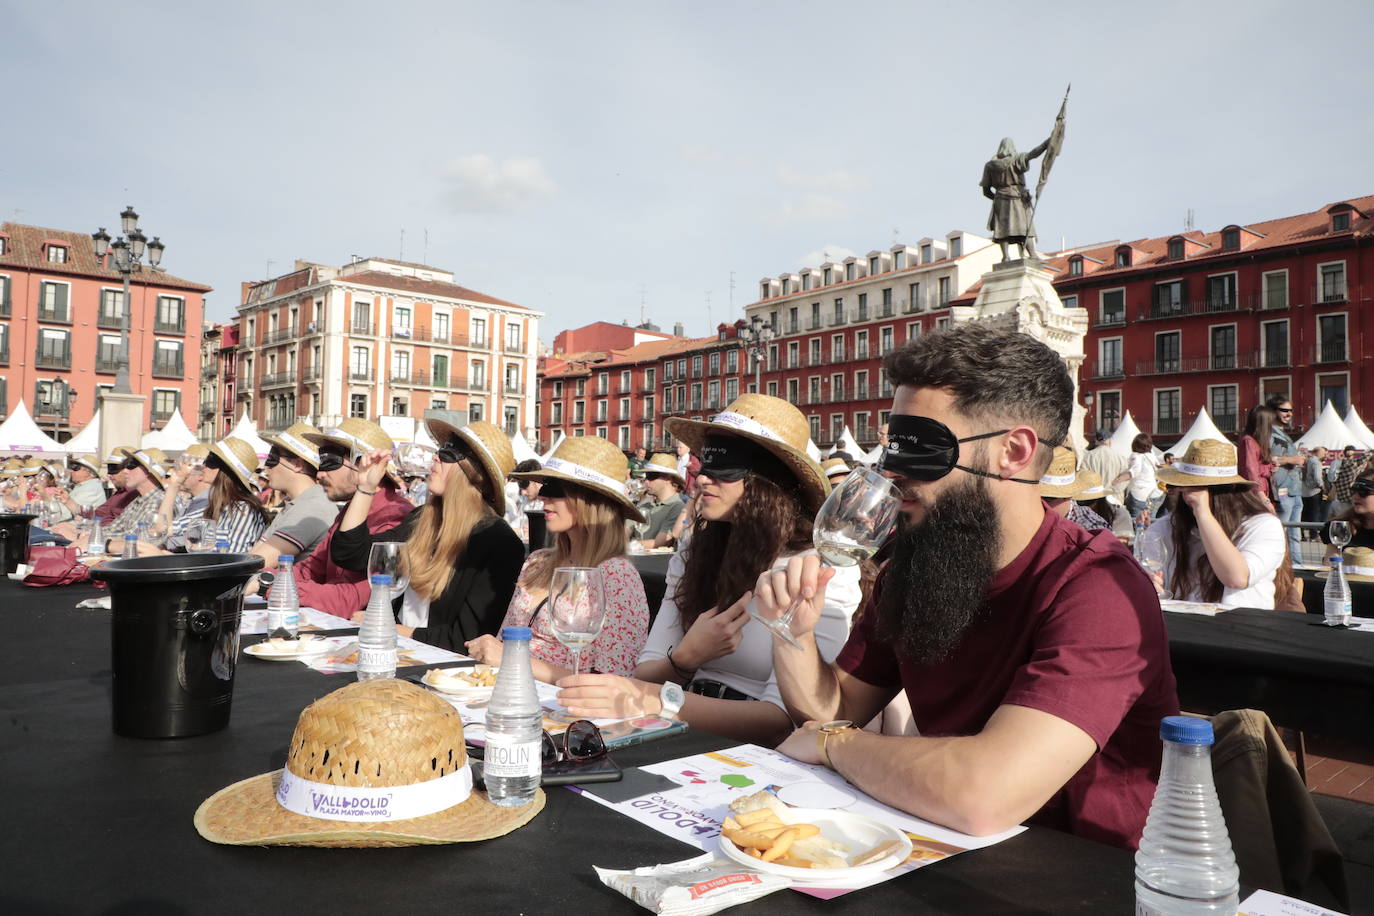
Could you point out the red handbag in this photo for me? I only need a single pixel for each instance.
(50, 565)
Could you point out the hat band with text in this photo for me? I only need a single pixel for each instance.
(1058, 480)
(149, 464)
(744, 424)
(563, 466)
(303, 449)
(223, 452)
(1206, 470)
(373, 803)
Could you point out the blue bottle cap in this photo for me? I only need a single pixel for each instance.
(130, 536)
(380, 579)
(1186, 730)
(286, 558)
(1337, 560)
(515, 634)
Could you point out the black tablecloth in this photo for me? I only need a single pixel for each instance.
(1304, 675)
(1361, 593)
(96, 823)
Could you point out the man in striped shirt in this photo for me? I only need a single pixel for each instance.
(144, 473)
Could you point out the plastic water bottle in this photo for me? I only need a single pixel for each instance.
(512, 764)
(284, 601)
(95, 543)
(130, 546)
(1185, 865)
(222, 546)
(1336, 595)
(377, 635)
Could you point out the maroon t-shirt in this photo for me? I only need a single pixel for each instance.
(109, 510)
(1071, 627)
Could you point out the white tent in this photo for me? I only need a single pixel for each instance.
(20, 434)
(246, 431)
(1329, 431)
(1202, 428)
(1363, 435)
(813, 450)
(520, 446)
(86, 442)
(175, 435)
(424, 439)
(846, 443)
(1125, 433)
(557, 441)
(874, 455)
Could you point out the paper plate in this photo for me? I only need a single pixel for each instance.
(290, 651)
(445, 680)
(857, 832)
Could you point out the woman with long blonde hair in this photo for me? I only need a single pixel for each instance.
(459, 556)
(585, 506)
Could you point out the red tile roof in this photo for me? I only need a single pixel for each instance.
(565, 365)
(24, 248)
(419, 287)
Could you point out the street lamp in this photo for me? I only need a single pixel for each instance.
(129, 250)
(59, 402)
(756, 336)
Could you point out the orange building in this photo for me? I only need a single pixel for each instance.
(61, 311)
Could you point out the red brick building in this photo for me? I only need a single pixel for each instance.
(1224, 319)
(61, 311)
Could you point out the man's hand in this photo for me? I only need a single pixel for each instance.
(802, 744)
(714, 634)
(804, 577)
(372, 468)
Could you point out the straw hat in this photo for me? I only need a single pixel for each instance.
(770, 422)
(197, 450)
(1206, 463)
(238, 456)
(1093, 487)
(12, 466)
(1063, 480)
(590, 462)
(119, 453)
(152, 460)
(835, 467)
(397, 731)
(660, 463)
(1358, 563)
(488, 445)
(30, 467)
(358, 436)
(295, 439)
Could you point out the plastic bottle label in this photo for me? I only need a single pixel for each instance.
(1337, 607)
(509, 755)
(371, 659)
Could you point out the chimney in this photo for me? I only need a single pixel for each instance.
(677, 329)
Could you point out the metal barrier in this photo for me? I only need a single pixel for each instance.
(1310, 546)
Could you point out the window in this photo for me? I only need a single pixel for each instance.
(624, 409)
(362, 318)
(1108, 409)
(357, 406)
(1275, 290)
(956, 246)
(52, 302)
(649, 378)
(861, 345)
(479, 332)
(1175, 249)
(944, 292)
(1113, 307)
(476, 410)
(772, 389)
(441, 328)
(926, 254)
(861, 385)
(837, 317)
(601, 414)
(1075, 267)
(557, 418)
(4, 345)
(624, 380)
(713, 363)
(603, 382)
(836, 388)
(398, 407)
(813, 394)
(1274, 336)
(1332, 285)
(696, 396)
(111, 308)
(837, 348)
(1123, 258)
(731, 390)
(1340, 222)
(872, 266)
(806, 281)
(1221, 292)
(1168, 299)
(167, 359)
(623, 438)
(793, 354)
(668, 371)
(1331, 340)
(836, 426)
(165, 402)
(887, 302)
(579, 411)
(1230, 239)
(581, 387)
(850, 269)
(885, 338)
(360, 366)
(513, 379)
(1221, 404)
(54, 349)
(4, 247)
(731, 362)
(863, 306)
(1109, 363)
(913, 300)
(682, 368)
(793, 386)
(942, 322)
(402, 322)
(772, 357)
(1223, 346)
(400, 365)
(815, 316)
(793, 323)
(814, 347)
(913, 330)
(696, 367)
(861, 425)
(814, 422)
(513, 337)
(1167, 347)
(1070, 302)
(898, 260)
(437, 403)
(57, 254)
(1334, 388)
(1168, 417)
(439, 377)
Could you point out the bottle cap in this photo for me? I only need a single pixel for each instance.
(1186, 730)
(286, 558)
(131, 537)
(515, 634)
(380, 579)
(1337, 560)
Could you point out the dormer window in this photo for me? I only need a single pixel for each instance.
(1075, 267)
(784, 286)
(956, 246)
(828, 277)
(1175, 249)
(1123, 257)
(57, 254)
(4, 244)
(806, 281)
(849, 271)
(1230, 239)
(1340, 222)
(925, 254)
(898, 260)
(873, 265)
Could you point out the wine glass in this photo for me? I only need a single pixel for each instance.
(385, 560)
(1340, 534)
(1150, 553)
(197, 533)
(577, 601)
(854, 521)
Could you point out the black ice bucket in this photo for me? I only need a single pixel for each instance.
(174, 640)
(14, 539)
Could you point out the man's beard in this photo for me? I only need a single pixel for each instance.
(939, 573)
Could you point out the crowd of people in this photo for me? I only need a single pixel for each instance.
(1007, 611)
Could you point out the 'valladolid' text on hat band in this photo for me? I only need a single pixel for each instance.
(1058, 480)
(1361, 570)
(357, 445)
(473, 439)
(222, 451)
(564, 466)
(1206, 470)
(744, 424)
(149, 464)
(384, 803)
(303, 449)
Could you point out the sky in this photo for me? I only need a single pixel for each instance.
(607, 160)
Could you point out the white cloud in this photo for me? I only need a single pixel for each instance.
(830, 253)
(810, 208)
(482, 184)
(838, 181)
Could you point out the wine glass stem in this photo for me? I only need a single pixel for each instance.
(577, 658)
(785, 621)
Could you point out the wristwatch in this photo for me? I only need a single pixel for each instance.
(672, 697)
(833, 727)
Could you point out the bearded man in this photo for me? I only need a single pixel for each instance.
(1033, 652)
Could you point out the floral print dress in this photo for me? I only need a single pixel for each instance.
(616, 649)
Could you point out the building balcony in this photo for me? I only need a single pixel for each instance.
(1168, 426)
(53, 360)
(519, 390)
(861, 352)
(886, 310)
(814, 324)
(278, 380)
(648, 387)
(1106, 370)
(107, 364)
(1226, 422)
(837, 396)
(169, 327)
(423, 334)
(1330, 353)
(209, 370)
(109, 322)
(1330, 294)
(1189, 364)
(1161, 311)
(207, 411)
(364, 329)
(514, 349)
(55, 316)
(480, 343)
(162, 416)
(1274, 359)
(1111, 320)
(837, 356)
(910, 308)
(836, 320)
(311, 374)
(281, 335)
(862, 314)
(169, 369)
(360, 375)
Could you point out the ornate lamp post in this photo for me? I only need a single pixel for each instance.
(756, 336)
(128, 250)
(59, 403)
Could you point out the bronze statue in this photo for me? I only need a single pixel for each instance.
(1004, 183)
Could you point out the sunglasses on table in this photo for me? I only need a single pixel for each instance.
(580, 741)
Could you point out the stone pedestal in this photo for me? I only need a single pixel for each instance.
(1020, 296)
(121, 421)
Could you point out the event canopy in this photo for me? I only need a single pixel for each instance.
(557, 441)
(1124, 435)
(874, 455)
(813, 450)
(520, 446)
(1202, 428)
(20, 434)
(175, 436)
(86, 442)
(1364, 437)
(846, 443)
(246, 431)
(1329, 431)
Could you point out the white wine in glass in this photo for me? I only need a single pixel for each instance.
(577, 608)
